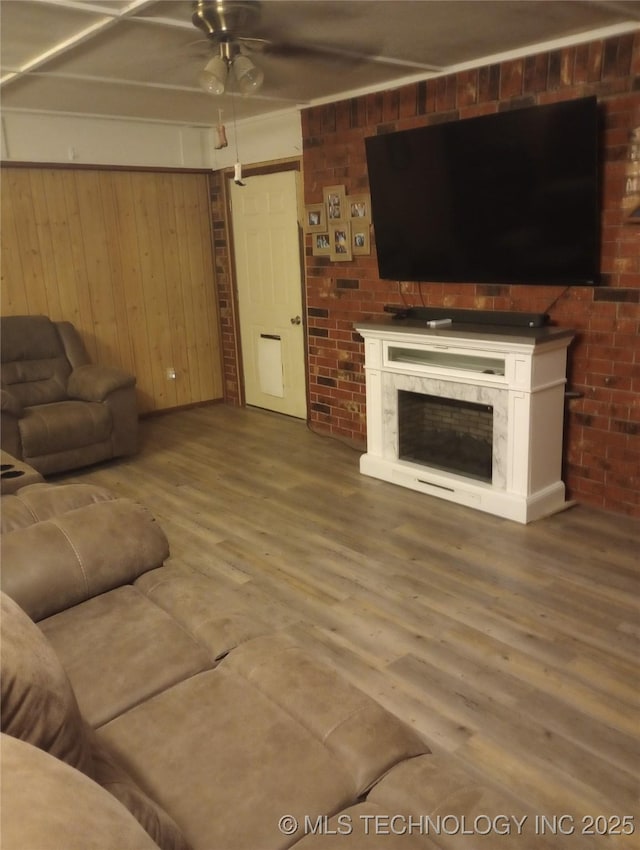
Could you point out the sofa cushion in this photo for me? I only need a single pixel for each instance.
(54, 564)
(255, 745)
(38, 703)
(35, 368)
(425, 803)
(46, 803)
(155, 821)
(356, 728)
(37, 502)
(119, 649)
(63, 425)
(210, 612)
(466, 812)
(226, 762)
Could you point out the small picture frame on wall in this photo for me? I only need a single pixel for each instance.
(360, 237)
(359, 207)
(315, 218)
(340, 240)
(335, 203)
(321, 244)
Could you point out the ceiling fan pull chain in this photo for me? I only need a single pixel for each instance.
(237, 174)
(237, 168)
(221, 133)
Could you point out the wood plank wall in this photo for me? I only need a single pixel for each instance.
(127, 257)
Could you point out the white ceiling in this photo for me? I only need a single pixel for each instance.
(140, 59)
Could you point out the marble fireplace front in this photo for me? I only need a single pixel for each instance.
(393, 384)
(517, 379)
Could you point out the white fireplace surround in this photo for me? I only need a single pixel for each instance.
(519, 372)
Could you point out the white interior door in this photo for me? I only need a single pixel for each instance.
(269, 281)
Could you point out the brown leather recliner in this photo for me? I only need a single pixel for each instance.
(60, 411)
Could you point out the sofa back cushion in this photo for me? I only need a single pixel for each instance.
(42, 501)
(35, 368)
(54, 564)
(38, 703)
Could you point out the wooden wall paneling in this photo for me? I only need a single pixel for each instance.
(44, 246)
(165, 256)
(14, 295)
(133, 303)
(97, 252)
(189, 362)
(169, 202)
(153, 284)
(112, 336)
(62, 241)
(27, 241)
(122, 355)
(127, 257)
(77, 260)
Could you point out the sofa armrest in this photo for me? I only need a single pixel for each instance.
(77, 811)
(12, 411)
(57, 563)
(10, 404)
(94, 382)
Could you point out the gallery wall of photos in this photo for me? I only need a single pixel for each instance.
(340, 226)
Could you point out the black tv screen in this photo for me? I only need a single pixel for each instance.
(511, 197)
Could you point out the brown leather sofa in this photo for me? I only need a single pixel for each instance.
(58, 410)
(144, 706)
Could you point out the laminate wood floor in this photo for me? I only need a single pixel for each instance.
(514, 649)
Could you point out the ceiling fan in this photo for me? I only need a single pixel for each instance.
(224, 22)
(235, 28)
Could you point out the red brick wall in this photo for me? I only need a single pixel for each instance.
(602, 451)
(226, 299)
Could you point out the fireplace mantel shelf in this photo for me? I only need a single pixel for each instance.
(471, 333)
(519, 373)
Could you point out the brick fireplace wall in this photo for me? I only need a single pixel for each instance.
(602, 441)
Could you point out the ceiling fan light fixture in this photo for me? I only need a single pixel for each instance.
(248, 76)
(213, 77)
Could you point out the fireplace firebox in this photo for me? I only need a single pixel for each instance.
(474, 416)
(446, 433)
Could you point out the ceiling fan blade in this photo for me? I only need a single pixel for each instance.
(329, 54)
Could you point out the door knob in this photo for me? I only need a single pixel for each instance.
(295, 320)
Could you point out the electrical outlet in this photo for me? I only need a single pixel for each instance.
(171, 374)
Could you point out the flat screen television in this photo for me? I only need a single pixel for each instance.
(511, 197)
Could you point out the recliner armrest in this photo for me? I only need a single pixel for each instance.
(10, 404)
(57, 563)
(94, 382)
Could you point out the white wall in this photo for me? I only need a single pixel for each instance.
(276, 136)
(45, 137)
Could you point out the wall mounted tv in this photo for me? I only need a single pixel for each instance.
(511, 197)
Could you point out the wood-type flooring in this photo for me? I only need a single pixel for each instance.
(511, 648)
